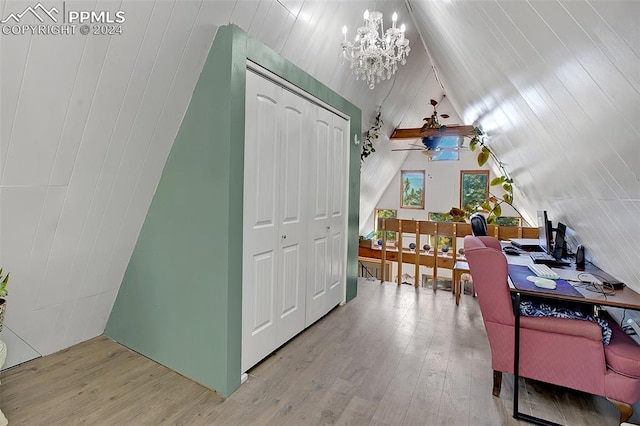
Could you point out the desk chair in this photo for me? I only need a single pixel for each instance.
(564, 352)
(478, 224)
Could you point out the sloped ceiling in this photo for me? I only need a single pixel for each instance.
(556, 85)
(87, 122)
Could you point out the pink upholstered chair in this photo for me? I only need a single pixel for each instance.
(564, 352)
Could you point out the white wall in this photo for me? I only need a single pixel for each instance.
(86, 126)
(442, 186)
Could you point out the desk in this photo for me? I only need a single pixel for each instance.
(623, 298)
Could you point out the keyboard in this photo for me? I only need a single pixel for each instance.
(541, 257)
(543, 271)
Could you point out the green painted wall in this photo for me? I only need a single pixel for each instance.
(181, 297)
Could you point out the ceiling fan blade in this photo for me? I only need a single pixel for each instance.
(408, 149)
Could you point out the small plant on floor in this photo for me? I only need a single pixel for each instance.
(4, 281)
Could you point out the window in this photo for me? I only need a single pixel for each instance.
(412, 189)
(384, 214)
(474, 186)
(441, 217)
(508, 221)
(449, 153)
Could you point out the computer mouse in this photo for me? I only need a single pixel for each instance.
(545, 283)
(511, 251)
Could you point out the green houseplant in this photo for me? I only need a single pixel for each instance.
(4, 281)
(493, 204)
(371, 136)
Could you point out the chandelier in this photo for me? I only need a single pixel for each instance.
(374, 55)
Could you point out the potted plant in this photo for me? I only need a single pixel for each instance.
(4, 281)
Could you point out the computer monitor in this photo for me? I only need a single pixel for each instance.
(544, 231)
(559, 247)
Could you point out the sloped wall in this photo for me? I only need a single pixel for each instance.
(86, 124)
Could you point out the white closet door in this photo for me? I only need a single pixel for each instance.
(261, 239)
(325, 269)
(294, 218)
(291, 287)
(337, 204)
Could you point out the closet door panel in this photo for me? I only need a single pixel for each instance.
(319, 167)
(318, 275)
(337, 258)
(292, 226)
(338, 165)
(320, 186)
(260, 220)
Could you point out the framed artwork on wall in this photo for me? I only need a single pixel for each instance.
(412, 189)
(474, 186)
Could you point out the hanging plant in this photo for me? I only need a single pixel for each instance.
(493, 204)
(371, 136)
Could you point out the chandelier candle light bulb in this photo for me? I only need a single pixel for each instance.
(375, 53)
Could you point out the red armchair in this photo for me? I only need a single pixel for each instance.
(564, 352)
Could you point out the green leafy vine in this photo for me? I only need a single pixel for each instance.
(493, 204)
(371, 136)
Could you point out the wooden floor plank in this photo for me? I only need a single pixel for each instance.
(394, 355)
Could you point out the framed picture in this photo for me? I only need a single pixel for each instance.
(474, 186)
(412, 189)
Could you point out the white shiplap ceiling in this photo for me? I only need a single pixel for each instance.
(87, 122)
(556, 84)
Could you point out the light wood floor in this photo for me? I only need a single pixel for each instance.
(392, 356)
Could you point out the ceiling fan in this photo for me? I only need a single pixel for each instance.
(432, 133)
(431, 150)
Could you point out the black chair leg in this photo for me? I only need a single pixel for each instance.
(497, 382)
